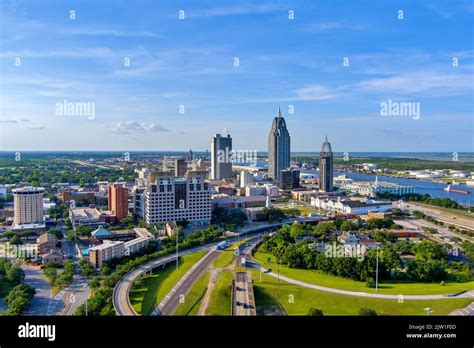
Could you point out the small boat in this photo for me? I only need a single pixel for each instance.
(450, 189)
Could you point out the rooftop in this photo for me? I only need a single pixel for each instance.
(85, 213)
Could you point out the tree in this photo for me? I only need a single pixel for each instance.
(403, 247)
(346, 225)
(15, 274)
(426, 250)
(315, 312)
(364, 311)
(106, 270)
(15, 240)
(94, 284)
(427, 270)
(51, 273)
(86, 268)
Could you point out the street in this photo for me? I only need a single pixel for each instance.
(41, 301)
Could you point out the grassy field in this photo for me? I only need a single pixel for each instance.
(148, 292)
(304, 211)
(220, 301)
(227, 255)
(194, 297)
(296, 300)
(320, 278)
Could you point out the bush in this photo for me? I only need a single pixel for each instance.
(370, 282)
(370, 312)
(315, 312)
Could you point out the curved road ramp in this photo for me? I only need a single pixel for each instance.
(179, 292)
(121, 297)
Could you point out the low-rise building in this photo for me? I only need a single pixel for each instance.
(46, 243)
(54, 256)
(106, 251)
(84, 217)
(370, 189)
(348, 238)
(143, 238)
(350, 206)
(117, 243)
(238, 202)
(255, 190)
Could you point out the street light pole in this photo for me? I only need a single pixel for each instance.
(87, 295)
(278, 270)
(177, 235)
(377, 271)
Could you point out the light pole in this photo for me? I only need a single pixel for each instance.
(278, 270)
(377, 270)
(87, 295)
(177, 236)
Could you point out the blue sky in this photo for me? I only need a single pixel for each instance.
(282, 62)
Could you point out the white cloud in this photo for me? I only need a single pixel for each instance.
(34, 126)
(315, 92)
(112, 32)
(427, 83)
(15, 120)
(125, 127)
(236, 10)
(335, 25)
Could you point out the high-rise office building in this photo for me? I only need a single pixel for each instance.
(28, 207)
(180, 167)
(326, 167)
(221, 157)
(278, 147)
(289, 179)
(118, 201)
(177, 199)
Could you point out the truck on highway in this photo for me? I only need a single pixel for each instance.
(242, 261)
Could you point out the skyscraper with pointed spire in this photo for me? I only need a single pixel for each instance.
(278, 147)
(326, 167)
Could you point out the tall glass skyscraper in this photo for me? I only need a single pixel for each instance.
(325, 167)
(278, 147)
(221, 157)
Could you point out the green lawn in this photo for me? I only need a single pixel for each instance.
(220, 301)
(149, 291)
(297, 300)
(304, 211)
(194, 298)
(227, 255)
(323, 279)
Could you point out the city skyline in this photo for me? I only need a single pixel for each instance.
(155, 78)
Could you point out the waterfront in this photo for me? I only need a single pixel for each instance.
(434, 189)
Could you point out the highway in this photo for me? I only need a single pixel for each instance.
(121, 299)
(242, 290)
(440, 215)
(171, 301)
